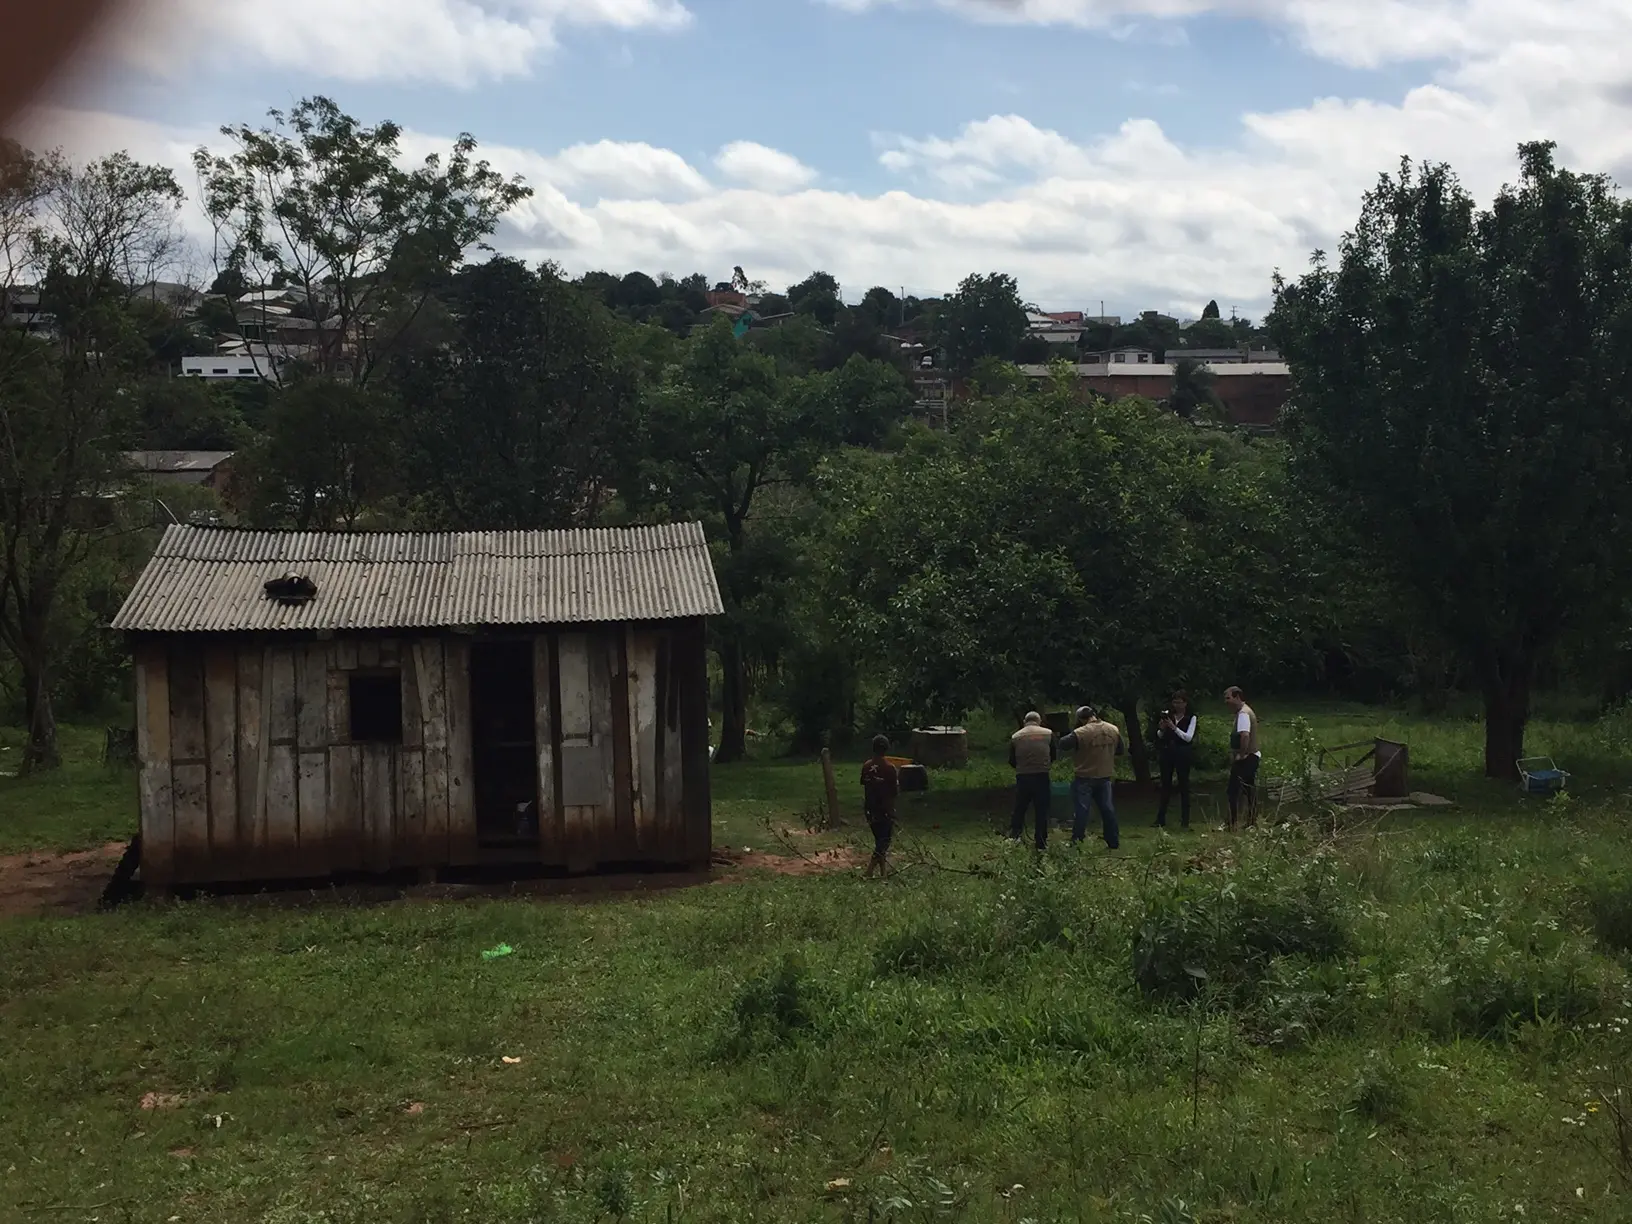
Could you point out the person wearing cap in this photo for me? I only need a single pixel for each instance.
(1031, 751)
(1096, 745)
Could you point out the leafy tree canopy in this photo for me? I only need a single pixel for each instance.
(1464, 400)
(984, 318)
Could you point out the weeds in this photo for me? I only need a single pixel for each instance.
(773, 1008)
(1235, 927)
(1383, 1093)
(1609, 901)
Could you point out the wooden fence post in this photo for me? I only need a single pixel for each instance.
(832, 789)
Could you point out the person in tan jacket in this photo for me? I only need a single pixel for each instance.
(1031, 752)
(1096, 745)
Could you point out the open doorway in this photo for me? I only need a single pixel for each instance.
(503, 742)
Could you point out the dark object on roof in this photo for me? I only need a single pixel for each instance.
(291, 590)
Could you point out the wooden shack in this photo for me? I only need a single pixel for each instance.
(311, 704)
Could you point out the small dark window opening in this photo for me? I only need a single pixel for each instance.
(376, 708)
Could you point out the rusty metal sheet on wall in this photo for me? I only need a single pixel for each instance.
(584, 780)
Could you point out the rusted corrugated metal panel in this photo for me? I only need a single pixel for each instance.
(212, 580)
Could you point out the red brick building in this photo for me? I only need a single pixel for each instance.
(1252, 394)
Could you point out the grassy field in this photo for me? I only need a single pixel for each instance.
(1423, 1018)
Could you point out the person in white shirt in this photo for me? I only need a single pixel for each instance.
(1175, 741)
(1245, 757)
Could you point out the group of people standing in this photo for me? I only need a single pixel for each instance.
(1095, 744)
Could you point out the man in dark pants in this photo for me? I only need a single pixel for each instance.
(1096, 744)
(1175, 746)
(1245, 757)
(1031, 752)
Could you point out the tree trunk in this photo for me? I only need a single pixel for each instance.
(40, 750)
(1507, 710)
(734, 699)
(1138, 751)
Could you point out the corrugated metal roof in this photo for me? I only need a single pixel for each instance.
(177, 460)
(204, 579)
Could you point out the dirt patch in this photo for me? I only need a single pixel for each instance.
(820, 862)
(43, 882)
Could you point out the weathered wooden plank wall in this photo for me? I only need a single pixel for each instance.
(463, 848)
(220, 743)
(157, 800)
(546, 718)
(691, 673)
(641, 652)
(189, 764)
(314, 732)
(573, 740)
(408, 847)
(251, 760)
(280, 851)
(670, 751)
(431, 682)
(619, 843)
(249, 771)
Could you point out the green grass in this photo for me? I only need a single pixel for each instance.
(81, 805)
(1396, 1026)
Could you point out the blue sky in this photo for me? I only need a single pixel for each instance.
(1098, 149)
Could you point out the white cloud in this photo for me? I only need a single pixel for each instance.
(1130, 216)
(626, 168)
(765, 169)
(457, 42)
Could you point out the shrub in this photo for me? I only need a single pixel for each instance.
(1041, 910)
(1488, 986)
(1382, 1092)
(926, 946)
(772, 1008)
(1298, 999)
(1609, 901)
(1235, 928)
(1457, 856)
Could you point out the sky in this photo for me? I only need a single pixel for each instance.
(1143, 154)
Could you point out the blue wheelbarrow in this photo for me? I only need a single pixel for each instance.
(1541, 776)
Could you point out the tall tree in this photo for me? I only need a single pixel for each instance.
(1210, 311)
(1464, 399)
(88, 232)
(984, 318)
(516, 421)
(1208, 333)
(330, 454)
(321, 203)
(881, 308)
(817, 296)
(27, 179)
(1192, 389)
(719, 428)
(1153, 560)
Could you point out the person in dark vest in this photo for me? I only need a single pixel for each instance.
(880, 784)
(1031, 752)
(1096, 745)
(1245, 757)
(1175, 748)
